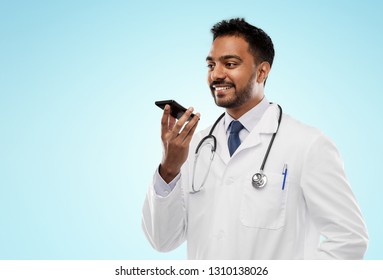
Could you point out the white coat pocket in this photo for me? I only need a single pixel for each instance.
(264, 208)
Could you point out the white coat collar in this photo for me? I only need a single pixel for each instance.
(251, 118)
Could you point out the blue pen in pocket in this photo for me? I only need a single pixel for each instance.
(284, 173)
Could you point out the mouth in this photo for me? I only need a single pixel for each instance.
(221, 89)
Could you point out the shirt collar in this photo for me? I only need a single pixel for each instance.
(250, 119)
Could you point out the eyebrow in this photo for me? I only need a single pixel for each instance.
(225, 57)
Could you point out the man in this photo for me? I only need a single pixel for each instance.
(306, 209)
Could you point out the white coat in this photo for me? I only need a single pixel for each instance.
(315, 217)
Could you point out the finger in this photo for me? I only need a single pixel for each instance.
(189, 129)
(192, 130)
(172, 122)
(178, 126)
(165, 120)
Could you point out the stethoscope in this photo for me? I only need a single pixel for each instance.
(259, 179)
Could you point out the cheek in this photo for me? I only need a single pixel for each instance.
(234, 78)
(243, 79)
(208, 78)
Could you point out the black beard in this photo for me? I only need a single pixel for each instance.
(240, 97)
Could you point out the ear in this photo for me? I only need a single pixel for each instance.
(263, 71)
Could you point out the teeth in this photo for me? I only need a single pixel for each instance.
(222, 88)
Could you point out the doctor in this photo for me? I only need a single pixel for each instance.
(306, 209)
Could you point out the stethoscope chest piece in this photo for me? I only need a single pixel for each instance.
(259, 180)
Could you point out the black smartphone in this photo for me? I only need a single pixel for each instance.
(176, 110)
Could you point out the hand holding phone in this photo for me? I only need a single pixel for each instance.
(176, 137)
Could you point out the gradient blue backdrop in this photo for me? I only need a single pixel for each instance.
(79, 132)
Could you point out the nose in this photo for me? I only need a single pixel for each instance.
(217, 73)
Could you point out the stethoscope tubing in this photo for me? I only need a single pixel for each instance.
(272, 140)
(259, 179)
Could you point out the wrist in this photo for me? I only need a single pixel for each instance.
(167, 173)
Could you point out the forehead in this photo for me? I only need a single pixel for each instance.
(229, 45)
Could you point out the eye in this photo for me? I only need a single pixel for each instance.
(210, 66)
(231, 64)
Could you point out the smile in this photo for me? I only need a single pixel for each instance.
(221, 88)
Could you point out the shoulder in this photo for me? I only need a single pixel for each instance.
(198, 136)
(207, 130)
(302, 135)
(298, 128)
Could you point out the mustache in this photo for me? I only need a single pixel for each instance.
(213, 83)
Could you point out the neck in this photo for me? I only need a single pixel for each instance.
(239, 111)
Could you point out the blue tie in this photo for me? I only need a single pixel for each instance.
(234, 141)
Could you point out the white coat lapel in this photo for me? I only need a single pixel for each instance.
(267, 125)
(222, 148)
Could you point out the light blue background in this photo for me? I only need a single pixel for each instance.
(80, 135)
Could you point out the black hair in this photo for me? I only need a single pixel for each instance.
(260, 43)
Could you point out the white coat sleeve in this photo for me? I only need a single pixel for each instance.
(331, 203)
(164, 218)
